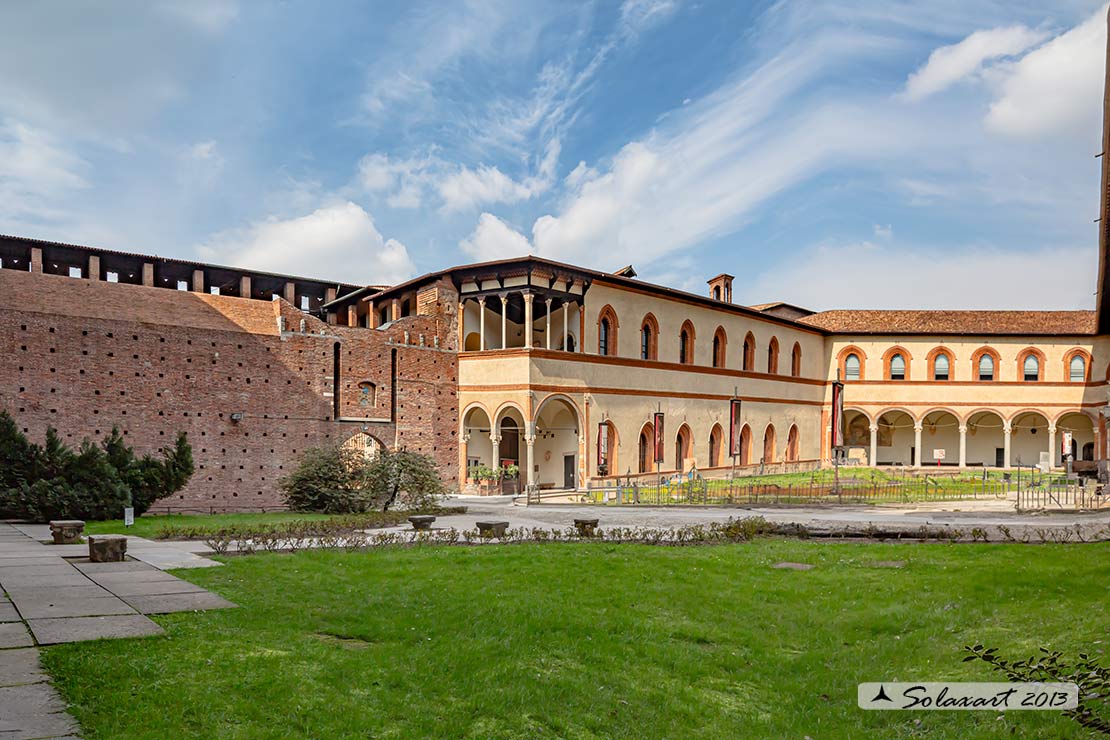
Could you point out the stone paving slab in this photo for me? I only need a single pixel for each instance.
(29, 699)
(127, 566)
(98, 606)
(142, 576)
(20, 666)
(169, 603)
(154, 588)
(26, 557)
(41, 568)
(14, 635)
(57, 725)
(17, 580)
(77, 629)
(38, 595)
(8, 612)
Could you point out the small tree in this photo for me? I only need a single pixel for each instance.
(326, 480)
(402, 477)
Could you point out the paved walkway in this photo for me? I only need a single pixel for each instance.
(49, 599)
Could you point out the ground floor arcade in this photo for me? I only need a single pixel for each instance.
(991, 438)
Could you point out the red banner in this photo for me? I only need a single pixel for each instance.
(660, 443)
(837, 420)
(734, 427)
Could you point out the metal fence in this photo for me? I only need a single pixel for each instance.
(1068, 497)
(700, 491)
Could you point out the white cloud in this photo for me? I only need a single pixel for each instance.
(36, 173)
(1055, 89)
(883, 232)
(579, 176)
(494, 239)
(338, 242)
(203, 150)
(867, 275)
(950, 64)
(407, 182)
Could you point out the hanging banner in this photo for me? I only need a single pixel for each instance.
(660, 446)
(837, 420)
(734, 425)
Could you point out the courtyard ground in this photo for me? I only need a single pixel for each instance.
(589, 641)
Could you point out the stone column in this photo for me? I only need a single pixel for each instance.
(93, 272)
(395, 309)
(329, 295)
(874, 445)
(529, 457)
(547, 332)
(963, 445)
(1051, 447)
(1006, 427)
(289, 292)
(245, 286)
(528, 320)
(372, 315)
(148, 274)
(198, 283)
(566, 323)
(504, 320)
(36, 259)
(917, 443)
(495, 448)
(482, 323)
(352, 315)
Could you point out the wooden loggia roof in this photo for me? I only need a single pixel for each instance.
(979, 323)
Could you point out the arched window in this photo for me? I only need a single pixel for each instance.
(746, 445)
(897, 367)
(796, 361)
(986, 367)
(607, 327)
(715, 437)
(773, 356)
(649, 338)
(682, 446)
(769, 444)
(716, 292)
(851, 367)
(646, 444)
(367, 394)
(607, 446)
(792, 444)
(940, 367)
(720, 342)
(686, 344)
(1077, 369)
(749, 353)
(1031, 369)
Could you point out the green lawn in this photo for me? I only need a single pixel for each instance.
(149, 526)
(589, 641)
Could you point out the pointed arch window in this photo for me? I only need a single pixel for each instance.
(773, 356)
(941, 367)
(749, 353)
(796, 360)
(986, 367)
(1077, 369)
(851, 367)
(898, 367)
(603, 337)
(1031, 369)
(649, 338)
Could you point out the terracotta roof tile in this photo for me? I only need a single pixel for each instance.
(954, 322)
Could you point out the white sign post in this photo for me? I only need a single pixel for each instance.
(129, 516)
(938, 455)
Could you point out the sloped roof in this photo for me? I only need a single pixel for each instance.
(954, 322)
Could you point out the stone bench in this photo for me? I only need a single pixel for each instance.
(422, 521)
(67, 531)
(488, 530)
(107, 548)
(585, 527)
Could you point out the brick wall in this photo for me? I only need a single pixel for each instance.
(83, 356)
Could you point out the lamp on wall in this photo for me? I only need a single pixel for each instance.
(237, 416)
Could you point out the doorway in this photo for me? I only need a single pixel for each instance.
(569, 471)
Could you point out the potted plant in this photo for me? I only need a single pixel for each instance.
(485, 476)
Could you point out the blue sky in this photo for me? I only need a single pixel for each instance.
(872, 154)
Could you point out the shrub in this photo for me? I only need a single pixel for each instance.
(95, 482)
(332, 480)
